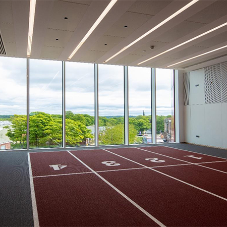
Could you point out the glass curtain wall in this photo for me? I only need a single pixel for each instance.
(13, 103)
(139, 105)
(165, 122)
(45, 121)
(111, 105)
(79, 104)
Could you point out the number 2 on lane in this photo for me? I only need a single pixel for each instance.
(154, 160)
(111, 163)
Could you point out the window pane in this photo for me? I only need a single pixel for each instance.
(79, 104)
(13, 120)
(111, 105)
(165, 105)
(45, 104)
(140, 105)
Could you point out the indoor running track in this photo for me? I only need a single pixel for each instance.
(149, 186)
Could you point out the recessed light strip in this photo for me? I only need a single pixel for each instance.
(181, 44)
(154, 28)
(31, 26)
(198, 56)
(107, 9)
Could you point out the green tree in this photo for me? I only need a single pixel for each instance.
(115, 135)
(76, 132)
(18, 130)
(38, 124)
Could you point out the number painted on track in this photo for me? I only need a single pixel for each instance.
(192, 156)
(58, 166)
(111, 163)
(154, 160)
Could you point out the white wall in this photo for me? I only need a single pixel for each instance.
(204, 124)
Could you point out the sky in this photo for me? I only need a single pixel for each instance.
(46, 88)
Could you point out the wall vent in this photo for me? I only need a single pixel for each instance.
(2, 48)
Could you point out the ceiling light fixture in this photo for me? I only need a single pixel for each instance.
(31, 26)
(97, 22)
(181, 44)
(154, 28)
(198, 56)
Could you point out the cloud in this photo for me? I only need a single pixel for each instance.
(46, 88)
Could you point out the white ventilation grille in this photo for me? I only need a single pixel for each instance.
(186, 88)
(2, 48)
(224, 81)
(216, 83)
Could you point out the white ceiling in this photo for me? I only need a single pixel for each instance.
(111, 35)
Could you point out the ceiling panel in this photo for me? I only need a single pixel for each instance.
(106, 42)
(84, 2)
(188, 52)
(211, 13)
(204, 59)
(149, 7)
(73, 11)
(132, 20)
(62, 36)
(139, 16)
(146, 48)
(179, 31)
(10, 49)
(214, 40)
(127, 60)
(6, 15)
(51, 52)
(91, 56)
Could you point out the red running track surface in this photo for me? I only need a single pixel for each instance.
(83, 199)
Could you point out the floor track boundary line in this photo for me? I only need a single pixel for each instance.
(99, 171)
(121, 193)
(192, 163)
(195, 152)
(34, 205)
(218, 196)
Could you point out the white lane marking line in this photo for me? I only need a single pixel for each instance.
(34, 205)
(196, 152)
(99, 171)
(220, 197)
(192, 163)
(121, 193)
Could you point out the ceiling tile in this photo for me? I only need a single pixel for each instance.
(111, 41)
(179, 31)
(51, 52)
(132, 20)
(210, 13)
(73, 11)
(149, 7)
(62, 36)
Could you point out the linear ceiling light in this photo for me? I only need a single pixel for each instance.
(181, 44)
(154, 28)
(31, 26)
(198, 56)
(106, 10)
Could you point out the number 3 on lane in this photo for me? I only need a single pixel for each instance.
(154, 160)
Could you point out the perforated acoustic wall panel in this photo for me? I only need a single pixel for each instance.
(224, 81)
(213, 85)
(186, 88)
(216, 83)
(2, 48)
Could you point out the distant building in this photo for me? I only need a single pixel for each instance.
(5, 146)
